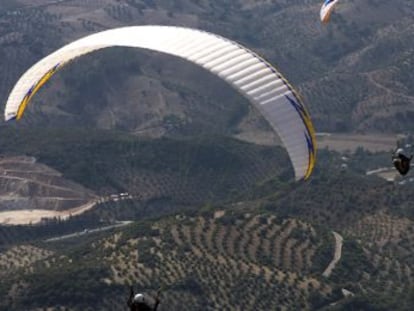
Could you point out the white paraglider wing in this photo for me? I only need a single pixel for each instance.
(326, 10)
(251, 75)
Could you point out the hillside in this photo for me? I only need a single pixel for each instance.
(188, 171)
(243, 255)
(355, 73)
(218, 261)
(27, 185)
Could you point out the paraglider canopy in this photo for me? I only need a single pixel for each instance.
(326, 10)
(247, 72)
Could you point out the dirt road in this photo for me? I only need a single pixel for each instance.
(350, 142)
(337, 255)
(22, 217)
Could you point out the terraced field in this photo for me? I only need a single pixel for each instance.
(32, 190)
(22, 257)
(226, 262)
(387, 243)
(380, 229)
(230, 259)
(222, 262)
(193, 186)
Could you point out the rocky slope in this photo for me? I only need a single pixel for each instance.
(28, 185)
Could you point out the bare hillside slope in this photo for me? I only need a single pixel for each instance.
(26, 185)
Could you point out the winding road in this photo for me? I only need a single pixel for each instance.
(337, 255)
(88, 231)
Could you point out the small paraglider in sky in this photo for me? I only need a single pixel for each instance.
(326, 10)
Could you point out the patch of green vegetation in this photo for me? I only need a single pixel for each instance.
(324, 251)
(353, 264)
(54, 286)
(378, 301)
(107, 160)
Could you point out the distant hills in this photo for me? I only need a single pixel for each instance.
(354, 73)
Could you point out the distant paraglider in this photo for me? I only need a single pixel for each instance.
(401, 161)
(138, 302)
(326, 10)
(247, 72)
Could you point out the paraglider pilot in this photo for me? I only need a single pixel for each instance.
(401, 161)
(138, 302)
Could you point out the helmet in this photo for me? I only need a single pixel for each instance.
(139, 298)
(399, 151)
